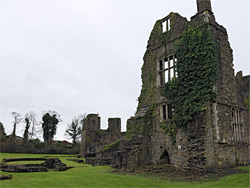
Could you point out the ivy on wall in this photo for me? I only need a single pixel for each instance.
(140, 126)
(111, 146)
(197, 74)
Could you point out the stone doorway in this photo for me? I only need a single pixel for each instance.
(164, 159)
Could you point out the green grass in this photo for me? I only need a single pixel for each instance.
(87, 176)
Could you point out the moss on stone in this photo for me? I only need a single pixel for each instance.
(111, 146)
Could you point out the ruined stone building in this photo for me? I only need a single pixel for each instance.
(191, 112)
(94, 139)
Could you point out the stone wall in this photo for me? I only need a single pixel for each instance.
(114, 125)
(92, 122)
(94, 139)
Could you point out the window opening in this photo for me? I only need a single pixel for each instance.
(166, 76)
(169, 26)
(172, 75)
(164, 112)
(171, 111)
(164, 26)
(161, 65)
(167, 111)
(167, 69)
(171, 60)
(237, 126)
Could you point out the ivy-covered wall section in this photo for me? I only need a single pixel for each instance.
(197, 74)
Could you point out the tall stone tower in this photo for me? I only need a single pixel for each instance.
(216, 137)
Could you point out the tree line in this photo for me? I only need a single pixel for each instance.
(33, 128)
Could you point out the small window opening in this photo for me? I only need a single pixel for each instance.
(164, 112)
(164, 26)
(172, 75)
(237, 126)
(166, 76)
(165, 158)
(161, 65)
(171, 111)
(167, 112)
(171, 60)
(169, 26)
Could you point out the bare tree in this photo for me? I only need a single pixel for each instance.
(34, 125)
(17, 120)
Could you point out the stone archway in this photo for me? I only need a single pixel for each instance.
(165, 158)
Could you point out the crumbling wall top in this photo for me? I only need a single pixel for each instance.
(92, 122)
(114, 125)
(204, 5)
(166, 29)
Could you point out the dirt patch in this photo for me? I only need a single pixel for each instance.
(171, 173)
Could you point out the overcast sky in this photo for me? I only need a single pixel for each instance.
(85, 56)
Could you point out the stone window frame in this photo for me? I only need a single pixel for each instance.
(166, 25)
(166, 112)
(166, 68)
(237, 125)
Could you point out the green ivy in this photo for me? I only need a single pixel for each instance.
(141, 122)
(197, 74)
(171, 129)
(88, 140)
(111, 146)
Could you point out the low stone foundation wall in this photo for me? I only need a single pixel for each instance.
(53, 163)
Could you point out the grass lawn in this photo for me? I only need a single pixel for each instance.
(87, 176)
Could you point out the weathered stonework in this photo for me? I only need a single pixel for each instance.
(94, 139)
(217, 137)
